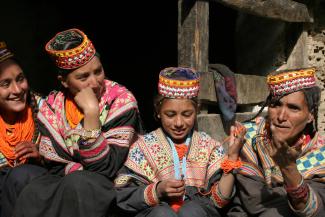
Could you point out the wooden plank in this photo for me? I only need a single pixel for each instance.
(193, 42)
(286, 10)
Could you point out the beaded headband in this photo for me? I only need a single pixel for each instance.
(4, 52)
(179, 82)
(72, 58)
(291, 81)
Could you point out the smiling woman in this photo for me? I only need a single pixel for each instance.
(176, 170)
(86, 128)
(19, 135)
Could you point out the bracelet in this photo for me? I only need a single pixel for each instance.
(229, 165)
(90, 134)
(299, 192)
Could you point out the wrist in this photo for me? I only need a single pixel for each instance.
(233, 157)
(91, 112)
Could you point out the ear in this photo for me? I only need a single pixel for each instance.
(63, 81)
(158, 116)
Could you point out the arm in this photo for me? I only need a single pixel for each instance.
(134, 193)
(223, 191)
(301, 197)
(107, 151)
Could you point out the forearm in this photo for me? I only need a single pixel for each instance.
(292, 178)
(91, 120)
(226, 184)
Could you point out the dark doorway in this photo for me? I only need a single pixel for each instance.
(136, 39)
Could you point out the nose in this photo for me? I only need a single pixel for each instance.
(16, 89)
(179, 122)
(282, 115)
(93, 83)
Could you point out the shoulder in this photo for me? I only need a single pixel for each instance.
(116, 89)
(206, 140)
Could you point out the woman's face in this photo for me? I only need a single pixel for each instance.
(13, 87)
(289, 116)
(90, 75)
(177, 117)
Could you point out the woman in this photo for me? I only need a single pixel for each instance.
(284, 155)
(19, 135)
(86, 131)
(176, 170)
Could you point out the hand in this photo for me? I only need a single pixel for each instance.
(87, 101)
(282, 154)
(170, 188)
(236, 140)
(25, 150)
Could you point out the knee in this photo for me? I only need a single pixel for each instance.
(23, 174)
(162, 211)
(192, 207)
(76, 181)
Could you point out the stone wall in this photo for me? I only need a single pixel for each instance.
(316, 54)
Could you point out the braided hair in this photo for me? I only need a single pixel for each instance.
(32, 102)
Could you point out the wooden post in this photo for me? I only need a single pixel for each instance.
(193, 44)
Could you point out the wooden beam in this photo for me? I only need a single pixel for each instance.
(286, 10)
(193, 42)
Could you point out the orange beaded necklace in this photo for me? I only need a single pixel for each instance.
(11, 135)
(73, 113)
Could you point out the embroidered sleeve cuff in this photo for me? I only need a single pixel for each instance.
(311, 205)
(219, 199)
(94, 151)
(150, 195)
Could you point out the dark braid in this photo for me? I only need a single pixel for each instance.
(33, 104)
(312, 96)
(265, 104)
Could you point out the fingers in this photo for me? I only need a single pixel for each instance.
(26, 150)
(173, 183)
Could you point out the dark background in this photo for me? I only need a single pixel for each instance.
(136, 39)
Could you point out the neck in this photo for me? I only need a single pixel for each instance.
(10, 117)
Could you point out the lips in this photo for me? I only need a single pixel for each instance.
(178, 132)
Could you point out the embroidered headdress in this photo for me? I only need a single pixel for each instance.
(65, 57)
(4, 52)
(289, 81)
(179, 82)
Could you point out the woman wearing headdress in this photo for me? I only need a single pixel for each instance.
(19, 135)
(86, 132)
(283, 172)
(176, 170)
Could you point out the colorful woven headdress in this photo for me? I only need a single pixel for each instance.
(289, 81)
(4, 52)
(179, 82)
(81, 53)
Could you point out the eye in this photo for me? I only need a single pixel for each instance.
(293, 107)
(188, 114)
(5, 83)
(83, 77)
(98, 71)
(275, 104)
(170, 114)
(20, 78)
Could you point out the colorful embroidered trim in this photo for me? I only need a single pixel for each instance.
(4, 52)
(291, 81)
(298, 192)
(218, 199)
(150, 195)
(179, 82)
(228, 165)
(312, 205)
(72, 58)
